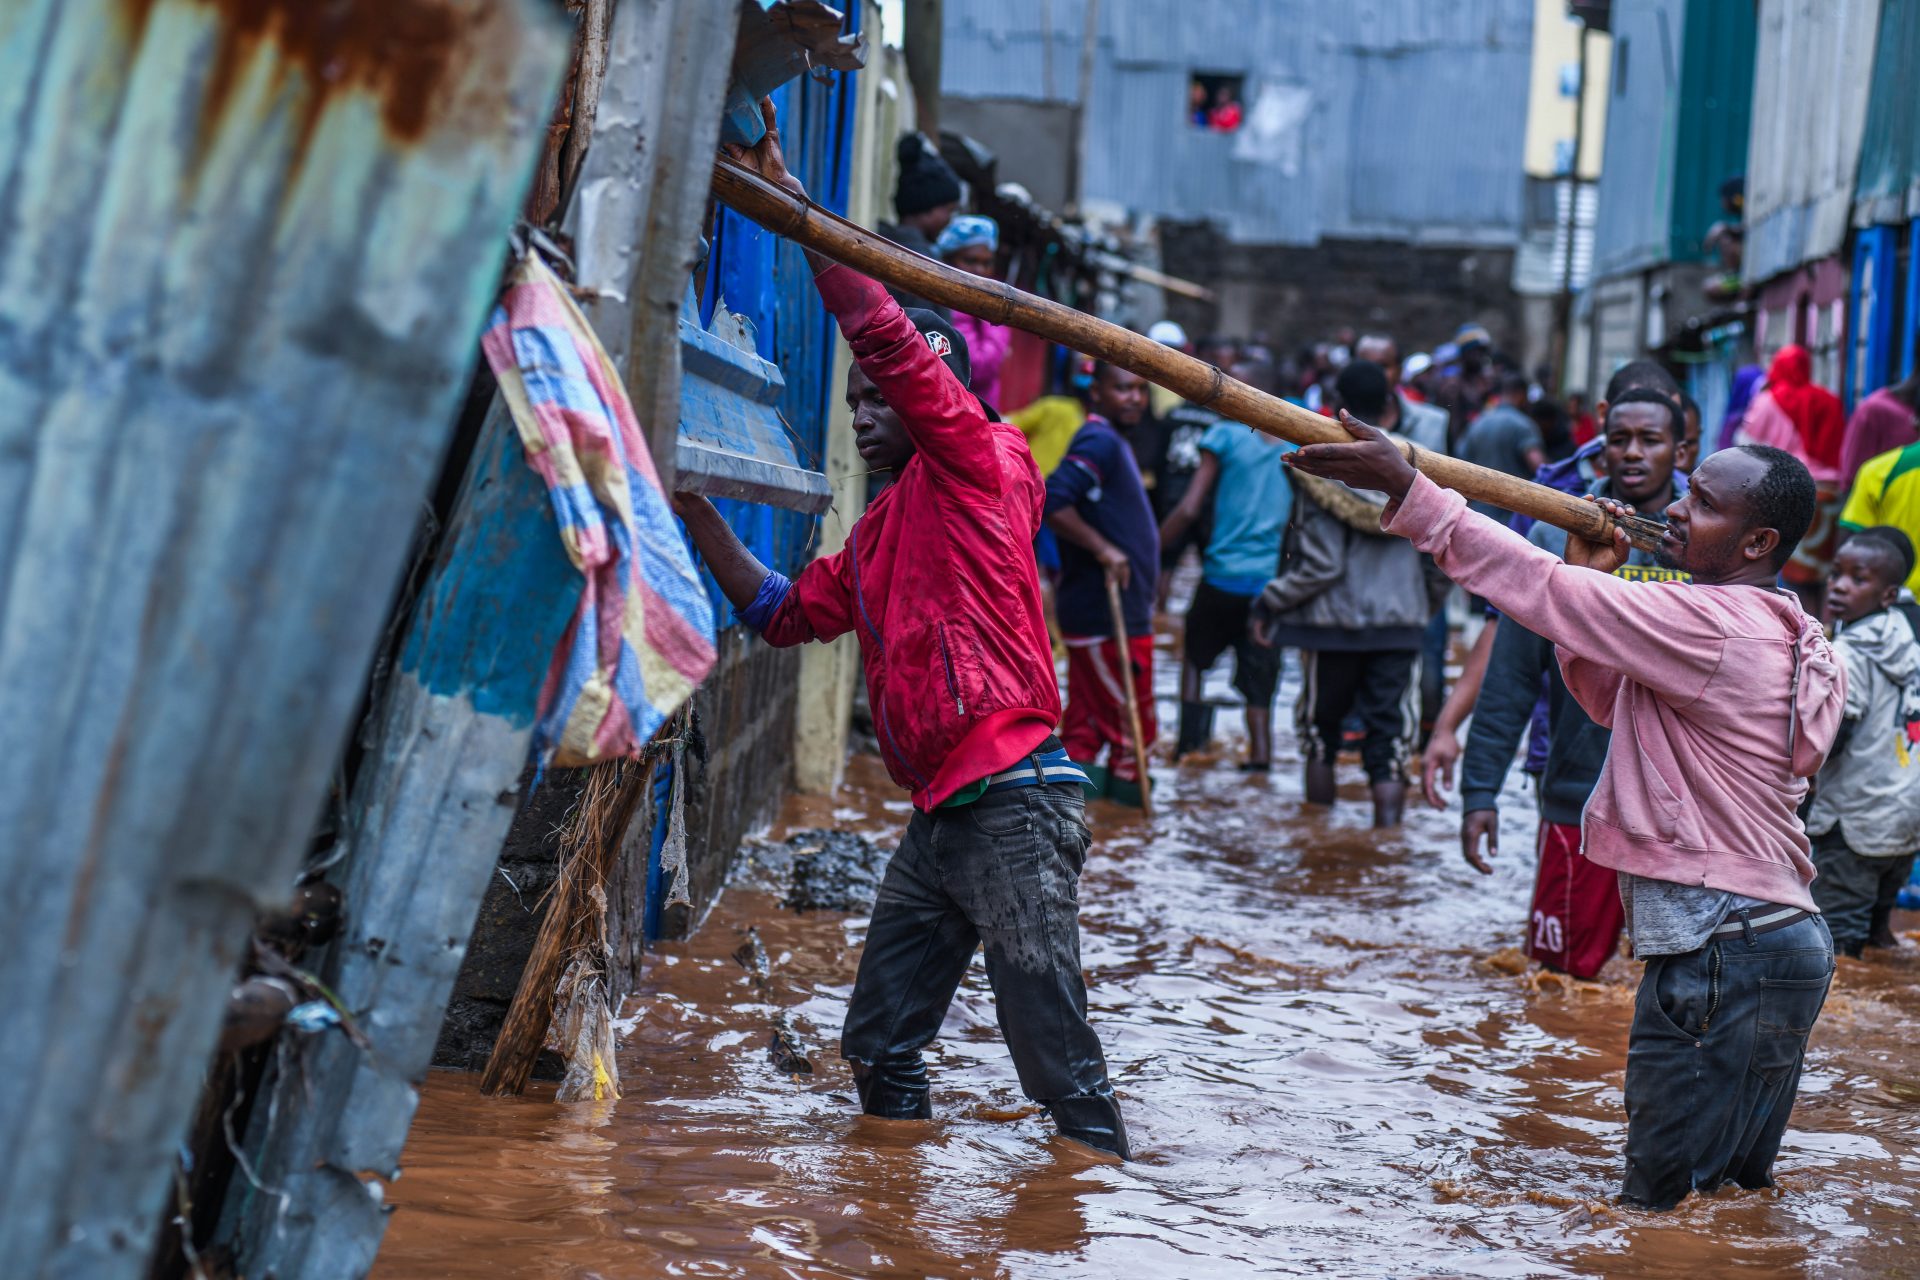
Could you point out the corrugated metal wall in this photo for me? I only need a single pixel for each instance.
(1677, 127)
(1379, 150)
(766, 280)
(1888, 188)
(1815, 62)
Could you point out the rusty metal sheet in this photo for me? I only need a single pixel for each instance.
(245, 249)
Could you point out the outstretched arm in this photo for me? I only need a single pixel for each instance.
(1443, 746)
(943, 418)
(737, 570)
(818, 605)
(1665, 635)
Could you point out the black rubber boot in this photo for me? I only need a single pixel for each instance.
(1320, 783)
(1093, 1118)
(1196, 728)
(892, 1091)
(1389, 801)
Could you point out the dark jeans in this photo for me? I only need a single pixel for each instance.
(1713, 1061)
(1851, 887)
(1003, 871)
(1377, 686)
(1433, 668)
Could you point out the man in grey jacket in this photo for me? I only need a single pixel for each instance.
(1355, 601)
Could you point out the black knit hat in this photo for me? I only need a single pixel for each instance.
(944, 341)
(926, 181)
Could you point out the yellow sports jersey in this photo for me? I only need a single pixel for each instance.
(1049, 425)
(1887, 491)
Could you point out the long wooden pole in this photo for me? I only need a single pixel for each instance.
(812, 227)
(1125, 655)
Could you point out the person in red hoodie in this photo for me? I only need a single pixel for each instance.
(939, 583)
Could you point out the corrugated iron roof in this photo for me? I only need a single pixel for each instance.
(1367, 104)
(1888, 188)
(1804, 150)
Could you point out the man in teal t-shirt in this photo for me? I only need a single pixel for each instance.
(1241, 471)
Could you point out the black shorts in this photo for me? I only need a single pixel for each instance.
(1379, 687)
(1216, 622)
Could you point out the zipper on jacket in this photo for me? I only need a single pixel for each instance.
(946, 659)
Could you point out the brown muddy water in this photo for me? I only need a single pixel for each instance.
(1330, 1061)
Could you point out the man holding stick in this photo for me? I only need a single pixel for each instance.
(938, 581)
(1724, 698)
(1097, 506)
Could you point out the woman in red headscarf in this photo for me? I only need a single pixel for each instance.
(1795, 413)
(1799, 415)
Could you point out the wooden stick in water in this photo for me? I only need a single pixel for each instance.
(812, 227)
(1133, 697)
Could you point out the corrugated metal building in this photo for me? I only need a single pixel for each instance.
(1816, 64)
(1886, 267)
(1677, 128)
(1354, 112)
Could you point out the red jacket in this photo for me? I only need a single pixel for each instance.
(938, 577)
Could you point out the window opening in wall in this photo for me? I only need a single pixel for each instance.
(1216, 103)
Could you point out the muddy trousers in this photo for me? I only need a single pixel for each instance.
(1713, 1060)
(1003, 871)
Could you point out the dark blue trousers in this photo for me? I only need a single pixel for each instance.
(1713, 1061)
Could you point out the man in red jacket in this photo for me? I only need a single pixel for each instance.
(938, 581)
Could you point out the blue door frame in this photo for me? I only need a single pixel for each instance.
(767, 281)
(1870, 337)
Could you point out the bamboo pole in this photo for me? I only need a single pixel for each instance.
(1125, 657)
(812, 227)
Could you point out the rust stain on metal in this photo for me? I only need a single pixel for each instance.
(400, 51)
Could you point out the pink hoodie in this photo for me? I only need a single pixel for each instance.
(1723, 701)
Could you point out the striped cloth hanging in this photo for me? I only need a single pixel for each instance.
(642, 637)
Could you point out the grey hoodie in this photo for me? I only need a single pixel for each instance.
(1344, 585)
(1870, 785)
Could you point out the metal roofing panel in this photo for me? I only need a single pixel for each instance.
(1888, 188)
(1630, 230)
(243, 261)
(1805, 145)
(1414, 170)
(1387, 159)
(1013, 49)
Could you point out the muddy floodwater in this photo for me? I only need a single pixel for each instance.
(1332, 1062)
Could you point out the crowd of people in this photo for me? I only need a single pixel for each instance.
(1720, 773)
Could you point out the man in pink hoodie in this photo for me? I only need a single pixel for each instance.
(1723, 696)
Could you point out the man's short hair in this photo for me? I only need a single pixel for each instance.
(1515, 384)
(1648, 395)
(1640, 373)
(1782, 501)
(1362, 387)
(1897, 546)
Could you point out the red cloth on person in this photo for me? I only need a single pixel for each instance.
(1096, 714)
(1577, 916)
(1816, 412)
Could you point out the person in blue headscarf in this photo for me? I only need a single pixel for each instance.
(972, 243)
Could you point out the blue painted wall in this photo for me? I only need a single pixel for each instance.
(766, 280)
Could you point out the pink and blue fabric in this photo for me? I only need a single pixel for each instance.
(642, 637)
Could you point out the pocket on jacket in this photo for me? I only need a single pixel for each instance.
(1668, 809)
(973, 684)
